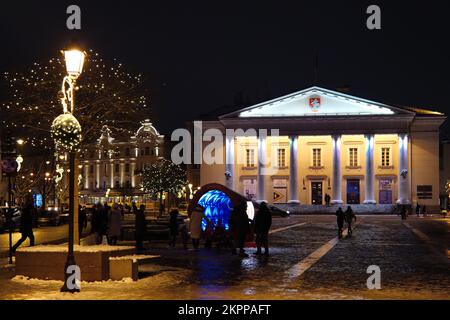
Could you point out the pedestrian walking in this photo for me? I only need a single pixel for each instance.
(403, 212)
(96, 223)
(263, 222)
(140, 227)
(103, 223)
(195, 225)
(114, 224)
(184, 230)
(82, 220)
(239, 228)
(340, 217)
(424, 210)
(350, 217)
(418, 209)
(173, 227)
(26, 223)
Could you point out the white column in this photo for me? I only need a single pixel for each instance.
(336, 197)
(97, 175)
(229, 162)
(293, 169)
(122, 174)
(403, 171)
(86, 176)
(262, 150)
(111, 177)
(133, 177)
(370, 177)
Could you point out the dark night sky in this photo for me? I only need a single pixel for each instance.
(198, 55)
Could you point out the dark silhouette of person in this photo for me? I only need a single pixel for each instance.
(26, 223)
(239, 227)
(340, 217)
(403, 212)
(263, 222)
(418, 209)
(82, 220)
(327, 199)
(96, 223)
(350, 217)
(140, 227)
(173, 227)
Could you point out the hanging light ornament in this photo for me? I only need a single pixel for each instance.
(66, 131)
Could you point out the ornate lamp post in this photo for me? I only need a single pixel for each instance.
(66, 132)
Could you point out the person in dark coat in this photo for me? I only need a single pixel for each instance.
(26, 223)
(140, 227)
(104, 215)
(173, 227)
(82, 220)
(239, 227)
(403, 212)
(350, 218)
(96, 223)
(418, 209)
(340, 216)
(263, 222)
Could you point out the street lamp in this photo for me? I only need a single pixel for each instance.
(66, 132)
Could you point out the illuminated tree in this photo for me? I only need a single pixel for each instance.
(163, 176)
(108, 95)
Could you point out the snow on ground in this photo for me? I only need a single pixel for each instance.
(77, 248)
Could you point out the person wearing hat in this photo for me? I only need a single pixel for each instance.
(195, 225)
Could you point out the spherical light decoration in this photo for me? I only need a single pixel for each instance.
(66, 131)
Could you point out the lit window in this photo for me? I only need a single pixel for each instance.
(317, 157)
(353, 157)
(250, 157)
(385, 157)
(281, 157)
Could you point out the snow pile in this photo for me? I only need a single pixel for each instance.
(134, 257)
(34, 281)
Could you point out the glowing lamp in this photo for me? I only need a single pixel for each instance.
(74, 62)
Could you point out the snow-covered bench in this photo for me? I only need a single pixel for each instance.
(126, 266)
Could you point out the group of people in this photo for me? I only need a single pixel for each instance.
(347, 216)
(240, 229)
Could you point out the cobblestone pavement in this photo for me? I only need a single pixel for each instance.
(413, 259)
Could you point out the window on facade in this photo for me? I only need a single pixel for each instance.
(147, 151)
(353, 157)
(142, 152)
(250, 157)
(127, 152)
(116, 167)
(91, 169)
(317, 157)
(281, 156)
(127, 167)
(117, 185)
(425, 192)
(106, 169)
(385, 157)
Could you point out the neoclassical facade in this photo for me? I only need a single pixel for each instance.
(110, 168)
(355, 150)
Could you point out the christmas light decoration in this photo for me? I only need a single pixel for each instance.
(66, 131)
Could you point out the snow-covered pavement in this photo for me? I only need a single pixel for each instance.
(411, 268)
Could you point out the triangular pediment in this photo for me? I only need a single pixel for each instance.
(313, 102)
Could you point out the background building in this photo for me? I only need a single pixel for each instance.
(357, 151)
(109, 169)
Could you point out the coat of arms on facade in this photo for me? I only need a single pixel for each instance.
(314, 103)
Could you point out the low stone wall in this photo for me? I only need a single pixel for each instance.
(294, 208)
(48, 261)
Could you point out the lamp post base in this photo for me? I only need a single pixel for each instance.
(71, 277)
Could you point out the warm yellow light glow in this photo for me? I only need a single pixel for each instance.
(74, 62)
(190, 185)
(47, 174)
(20, 141)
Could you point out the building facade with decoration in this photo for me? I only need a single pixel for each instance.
(355, 150)
(109, 169)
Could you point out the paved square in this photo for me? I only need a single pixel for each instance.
(412, 255)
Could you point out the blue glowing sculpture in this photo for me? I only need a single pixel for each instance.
(217, 208)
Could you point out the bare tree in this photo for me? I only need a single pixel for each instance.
(106, 94)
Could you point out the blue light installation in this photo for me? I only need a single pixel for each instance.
(217, 207)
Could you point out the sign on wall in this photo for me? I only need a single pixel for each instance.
(279, 191)
(250, 188)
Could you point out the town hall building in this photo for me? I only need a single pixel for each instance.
(355, 150)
